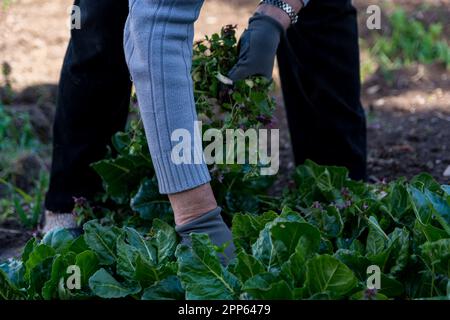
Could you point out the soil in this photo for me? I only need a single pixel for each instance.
(12, 237)
(408, 113)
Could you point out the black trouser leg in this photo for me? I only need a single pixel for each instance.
(93, 101)
(320, 76)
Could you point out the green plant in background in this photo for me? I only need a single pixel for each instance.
(17, 139)
(409, 41)
(16, 136)
(27, 206)
(6, 92)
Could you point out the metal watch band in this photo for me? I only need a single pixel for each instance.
(285, 7)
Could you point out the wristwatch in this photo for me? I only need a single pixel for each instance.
(286, 7)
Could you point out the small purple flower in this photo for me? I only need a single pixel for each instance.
(317, 205)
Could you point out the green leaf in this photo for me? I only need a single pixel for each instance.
(144, 246)
(7, 290)
(325, 274)
(430, 232)
(437, 255)
(368, 295)
(122, 175)
(149, 203)
(166, 289)
(39, 276)
(147, 274)
(105, 286)
(202, 275)
(88, 263)
(294, 237)
(440, 208)
(245, 266)
(59, 239)
(377, 249)
(267, 286)
(126, 257)
(78, 245)
(102, 240)
(420, 205)
(397, 201)
(165, 241)
(29, 247)
(355, 261)
(329, 220)
(446, 189)
(425, 181)
(246, 228)
(390, 287)
(399, 256)
(36, 257)
(57, 276)
(15, 271)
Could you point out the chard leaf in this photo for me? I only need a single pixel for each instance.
(397, 201)
(15, 270)
(165, 241)
(246, 266)
(105, 286)
(325, 274)
(267, 286)
(368, 295)
(78, 245)
(88, 263)
(126, 257)
(202, 275)
(58, 274)
(166, 289)
(355, 261)
(430, 232)
(39, 276)
(29, 247)
(399, 255)
(149, 203)
(39, 254)
(437, 255)
(142, 245)
(59, 239)
(102, 240)
(420, 205)
(246, 228)
(7, 290)
(147, 274)
(390, 287)
(425, 181)
(440, 208)
(121, 176)
(446, 189)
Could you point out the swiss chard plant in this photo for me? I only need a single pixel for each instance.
(324, 244)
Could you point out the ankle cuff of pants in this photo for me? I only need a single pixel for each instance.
(175, 178)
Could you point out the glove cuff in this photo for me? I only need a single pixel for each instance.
(259, 17)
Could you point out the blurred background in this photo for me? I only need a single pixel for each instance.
(405, 68)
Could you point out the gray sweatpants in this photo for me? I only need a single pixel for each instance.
(158, 48)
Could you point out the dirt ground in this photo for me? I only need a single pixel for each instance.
(408, 116)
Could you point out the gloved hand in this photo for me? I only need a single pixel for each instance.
(257, 48)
